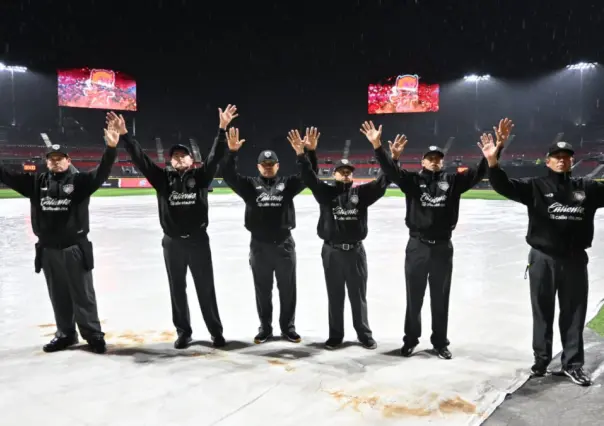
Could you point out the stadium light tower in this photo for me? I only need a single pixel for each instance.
(12, 70)
(581, 67)
(476, 79)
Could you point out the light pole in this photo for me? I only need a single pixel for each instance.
(476, 79)
(12, 70)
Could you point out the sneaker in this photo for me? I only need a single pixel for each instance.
(218, 341)
(97, 345)
(578, 376)
(368, 343)
(60, 344)
(539, 369)
(407, 350)
(333, 343)
(262, 337)
(183, 342)
(292, 336)
(444, 353)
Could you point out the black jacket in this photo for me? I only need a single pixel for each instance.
(343, 208)
(432, 198)
(561, 209)
(182, 198)
(59, 201)
(269, 203)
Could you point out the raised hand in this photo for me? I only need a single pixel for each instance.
(503, 131)
(296, 141)
(397, 147)
(112, 137)
(312, 138)
(372, 134)
(233, 140)
(116, 123)
(488, 147)
(227, 115)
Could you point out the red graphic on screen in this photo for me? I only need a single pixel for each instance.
(96, 88)
(404, 95)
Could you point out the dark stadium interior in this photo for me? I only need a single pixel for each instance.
(301, 71)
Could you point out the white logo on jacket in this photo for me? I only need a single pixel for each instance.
(268, 200)
(340, 213)
(559, 211)
(182, 199)
(50, 204)
(428, 200)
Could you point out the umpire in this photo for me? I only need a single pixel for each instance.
(343, 227)
(432, 197)
(182, 197)
(561, 213)
(59, 216)
(270, 217)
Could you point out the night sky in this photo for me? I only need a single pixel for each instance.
(288, 64)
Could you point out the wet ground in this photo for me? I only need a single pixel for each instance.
(144, 381)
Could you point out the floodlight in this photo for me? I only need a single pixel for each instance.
(582, 66)
(473, 78)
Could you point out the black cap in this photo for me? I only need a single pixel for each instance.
(179, 147)
(267, 156)
(344, 164)
(560, 147)
(434, 150)
(56, 149)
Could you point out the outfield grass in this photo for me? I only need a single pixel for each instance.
(474, 194)
(597, 324)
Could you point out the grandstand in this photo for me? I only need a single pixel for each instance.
(523, 157)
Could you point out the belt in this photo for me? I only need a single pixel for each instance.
(345, 246)
(431, 242)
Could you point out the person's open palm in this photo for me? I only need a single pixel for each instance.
(233, 140)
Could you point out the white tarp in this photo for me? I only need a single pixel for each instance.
(144, 381)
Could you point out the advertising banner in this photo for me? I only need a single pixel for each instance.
(134, 183)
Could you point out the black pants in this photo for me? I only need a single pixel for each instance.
(193, 253)
(346, 269)
(567, 276)
(428, 262)
(278, 260)
(68, 275)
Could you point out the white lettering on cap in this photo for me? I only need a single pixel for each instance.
(561, 144)
(56, 147)
(344, 161)
(433, 148)
(267, 154)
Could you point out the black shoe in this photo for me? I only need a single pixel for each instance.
(60, 344)
(407, 350)
(97, 345)
(333, 343)
(368, 343)
(539, 369)
(578, 376)
(183, 342)
(262, 337)
(444, 353)
(292, 336)
(218, 341)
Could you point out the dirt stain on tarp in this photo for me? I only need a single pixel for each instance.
(354, 402)
(278, 362)
(46, 325)
(392, 410)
